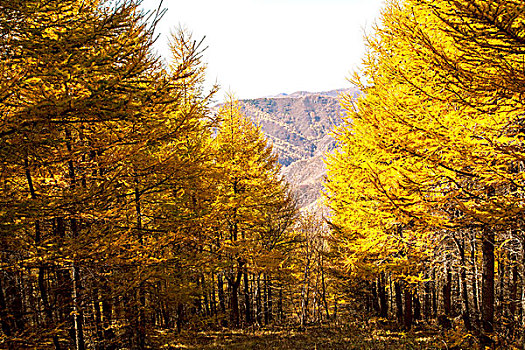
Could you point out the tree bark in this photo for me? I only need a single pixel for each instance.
(447, 294)
(399, 302)
(383, 300)
(247, 302)
(375, 298)
(427, 302)
(270, 297)
(258, 301)
(487, 297)
(78, 316)
(323, 286)
(466, 307)
(417, 307)
(4, 319)
(408, 316)
(234, 282)
(220, 292)
(475, 286)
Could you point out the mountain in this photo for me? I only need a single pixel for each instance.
(299, 125)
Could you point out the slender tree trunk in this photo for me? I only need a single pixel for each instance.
(466, 307)
(475, 286)
(266, 313)
(434, 298)
(399, 302)
(501, 288)
(180, 317)
(247, 302)
(427, 303)
(270, 297)
(213, 297)
(220, 291)
(205, 295)
(375, 298)
(234, 315)
(107, 313)
(522, 321)
(234, 284)
(463, 283)
(4, 318)
(78, 315)
(280, 303)
(417, 307)
(513, 294)
(447, 294)
(487, 301)
(38, 236)
(141, 331)
(98, 318)
(258, 301)
(305, 292)
(323, 285)
(408, 316)
(45, 302)
(383, 300)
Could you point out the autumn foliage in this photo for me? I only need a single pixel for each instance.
(426, 186)
(129, 208)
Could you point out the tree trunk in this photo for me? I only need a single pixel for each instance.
(220, 291)
(501, 288)
(258, 301)
(475, 286)
(487, 297)
(417, 307)
(466, 307)
(38, 235)
(180, 317)
(408, 309)
(280, 304)
(270, 297)
(4, 319)
(98, 318)
(374, 303)
(427, 302)
(399, 302)
(78, 315)
(447, 294)
(213, 297)
(383, 300)
(323, 295)
(247, 303)
(514, 291)
(107, 314)
(234, 282)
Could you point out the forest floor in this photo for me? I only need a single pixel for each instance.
(356, 335)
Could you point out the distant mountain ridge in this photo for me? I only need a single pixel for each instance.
(299, 125)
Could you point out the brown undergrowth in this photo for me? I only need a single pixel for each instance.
(368, 334)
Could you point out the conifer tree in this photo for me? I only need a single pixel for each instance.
(433, 148)
(249, 191)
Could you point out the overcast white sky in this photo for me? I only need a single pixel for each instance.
(259, 48)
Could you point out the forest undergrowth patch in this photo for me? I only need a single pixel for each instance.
(371, 334)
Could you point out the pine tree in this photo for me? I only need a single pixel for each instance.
(249, 192)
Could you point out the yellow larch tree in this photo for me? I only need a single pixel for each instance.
(249, 192)
(431, 154)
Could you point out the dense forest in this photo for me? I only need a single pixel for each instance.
(427, 186)
(134, 212)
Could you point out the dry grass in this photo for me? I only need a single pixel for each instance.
(349, 336)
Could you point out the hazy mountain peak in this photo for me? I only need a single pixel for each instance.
(299, 125)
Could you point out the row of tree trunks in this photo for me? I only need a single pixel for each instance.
(458, 284)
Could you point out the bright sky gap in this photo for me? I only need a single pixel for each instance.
(259, 48)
